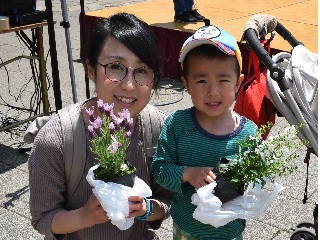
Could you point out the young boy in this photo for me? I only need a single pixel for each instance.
(193, 140)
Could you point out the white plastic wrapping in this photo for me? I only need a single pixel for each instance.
(249, 206)
(114, 198)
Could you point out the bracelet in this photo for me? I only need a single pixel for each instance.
(149, 211)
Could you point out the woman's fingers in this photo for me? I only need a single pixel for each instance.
(137, 206)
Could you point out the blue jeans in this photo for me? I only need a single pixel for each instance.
(181, 6)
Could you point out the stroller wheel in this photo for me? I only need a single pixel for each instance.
(307, 224)
(303, 234)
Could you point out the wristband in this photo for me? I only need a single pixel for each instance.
(149, 211)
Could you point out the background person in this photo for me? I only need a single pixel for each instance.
(185, 11)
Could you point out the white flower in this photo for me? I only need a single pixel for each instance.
(258, 159)
(114, 145)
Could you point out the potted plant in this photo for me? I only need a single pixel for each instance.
(113, 179)
(249, 180)
(110, 137)
(256, 161)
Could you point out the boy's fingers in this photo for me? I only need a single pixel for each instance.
(209, 179)
(210, 173)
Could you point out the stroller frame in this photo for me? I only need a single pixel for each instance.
(277, 73)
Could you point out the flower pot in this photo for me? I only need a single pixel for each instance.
(126, 180)
(224, 190)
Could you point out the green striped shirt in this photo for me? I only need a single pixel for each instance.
(183, 142)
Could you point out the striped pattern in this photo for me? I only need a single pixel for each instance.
(184, 143)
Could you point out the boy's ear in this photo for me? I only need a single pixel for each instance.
(185, 83)
(241, 77)
(91, 71)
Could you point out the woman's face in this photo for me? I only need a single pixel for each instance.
(125, 93)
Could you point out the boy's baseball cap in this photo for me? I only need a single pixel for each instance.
(215, 36)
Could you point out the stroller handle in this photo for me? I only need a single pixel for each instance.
(264, 24)
(277, 72)
(287, 35)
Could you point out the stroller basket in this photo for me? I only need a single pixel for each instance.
(292, 82)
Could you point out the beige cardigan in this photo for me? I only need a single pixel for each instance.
(48, 186)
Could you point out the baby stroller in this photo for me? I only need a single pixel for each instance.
(292, 87)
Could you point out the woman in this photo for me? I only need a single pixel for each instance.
(127, 44)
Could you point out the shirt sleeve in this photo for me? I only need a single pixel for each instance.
(164, 196)
(46, 177)
(165, 168)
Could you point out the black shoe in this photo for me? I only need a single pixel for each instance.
(194, 13)
(185, 17)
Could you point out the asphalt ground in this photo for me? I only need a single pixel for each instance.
(17, 89)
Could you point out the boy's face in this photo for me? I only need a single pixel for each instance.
(212, 84)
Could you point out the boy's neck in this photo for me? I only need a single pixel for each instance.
(220, 125)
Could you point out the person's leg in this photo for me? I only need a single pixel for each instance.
(179, 6)
(181, 13)
(188, 4)
(193, 11)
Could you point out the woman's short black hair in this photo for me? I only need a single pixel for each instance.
(207, 51)
(132, 32)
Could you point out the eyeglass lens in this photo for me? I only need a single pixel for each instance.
(117, 72)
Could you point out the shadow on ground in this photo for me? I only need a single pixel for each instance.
(11, 157)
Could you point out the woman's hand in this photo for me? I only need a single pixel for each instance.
(93, 213)
(198, 176)
(137, 206)
(70, 221)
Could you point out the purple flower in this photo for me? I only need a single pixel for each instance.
(128, 124)
(108, 109)
(127, 120)
(91, 131)
(128, 134)
(117, 121)
(112, 128)
(96, 123)
(90, 112)
(108, 136)
(124, 113)
(100, 105)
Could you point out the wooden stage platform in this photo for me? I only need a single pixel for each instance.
(300, 17)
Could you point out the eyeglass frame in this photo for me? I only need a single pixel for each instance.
(127, 70)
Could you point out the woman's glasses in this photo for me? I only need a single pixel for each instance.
(116, 72)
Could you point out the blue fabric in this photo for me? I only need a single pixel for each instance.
(181, 6)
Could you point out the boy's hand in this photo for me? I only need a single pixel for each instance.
(198, 176)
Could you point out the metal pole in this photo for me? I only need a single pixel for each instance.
(53, 54)
(65, 23)
(83, 40)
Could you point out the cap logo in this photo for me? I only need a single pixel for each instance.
(208, 32)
